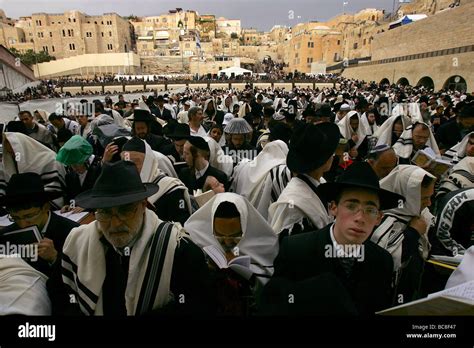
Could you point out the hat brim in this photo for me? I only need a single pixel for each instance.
(91, 200)
(15, 199)
(301, 164)
(388, 200)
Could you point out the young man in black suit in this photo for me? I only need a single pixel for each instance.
(28, 205)
(337, 270)
(196, 154)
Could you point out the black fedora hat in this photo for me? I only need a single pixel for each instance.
(324, 111)
(360, 175)
(180, 131)
(27, 187)
(311, 146)
(142, 116)
(119, 183)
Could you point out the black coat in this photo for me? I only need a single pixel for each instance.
(318, 285)
(189, 178)
(58, 230)
(164, 115)
(448, 135)
(172, 207)
(156, 142)
(73, 184)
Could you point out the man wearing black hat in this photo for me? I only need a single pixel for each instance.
(337, 270)
(143, 121)
(451, 133)
(196, 154)
(28, 204)
(128, 262)
(299, 208)
(160, 110)
(174, 151)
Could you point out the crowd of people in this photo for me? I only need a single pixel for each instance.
(242, 203)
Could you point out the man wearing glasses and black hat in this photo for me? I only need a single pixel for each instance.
(337, 270)
(128, 262)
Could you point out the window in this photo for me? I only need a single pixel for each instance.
(38, 22)
(50, 34)
(72, 47)
(365, 42)
(310, 44)
(338, 42)
(69, 19)
(356, 45)
(110, 33)
(74, 20)
(64, 32)
(109, 47)
(45, 49)
(52, 48)
(102, 34)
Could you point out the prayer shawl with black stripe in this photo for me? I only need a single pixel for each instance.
(149, 276)
(460, 177)
(255, 180)
(404, 145)
(405, 180)
(32, 156)
(458, 151)
(297, 202)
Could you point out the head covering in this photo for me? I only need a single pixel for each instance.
(238, 126)
(43, 114)
(368, 127)
(360, 175)
(346, 129)
(134, 144)
(345, 107)
(406, 181)
(279, 116)
(31, 156)
(227, 118)
(142, 116)
(258, 239)
(384, 132)
(311, 146)
(458, 150)
(106, 193)
(461, 176)
(404, 145)
(76, 150)
(199, 142)
(26, 187)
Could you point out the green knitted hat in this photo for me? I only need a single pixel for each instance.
(75, 151)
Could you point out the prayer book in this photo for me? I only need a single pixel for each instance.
(239, 264)
(203, 197)
(458, 300)
(77, 217)
(22, 236)
(428, 160)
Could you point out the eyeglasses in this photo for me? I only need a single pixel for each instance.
(355, 208)
(123, 213)
(29, 217)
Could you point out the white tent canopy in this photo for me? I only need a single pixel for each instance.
(235, 70)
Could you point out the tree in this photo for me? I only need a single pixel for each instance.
(30, 57)
(234, 36)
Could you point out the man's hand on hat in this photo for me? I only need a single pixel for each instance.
(110, 150)
(419, 224)
(47, 251)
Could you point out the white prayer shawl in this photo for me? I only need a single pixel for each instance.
(347, 131)
(22, 288)
(258, 240)
(250, 176)
(367, 126)
(44, 115)
(118, 119)
(151, 173)
(461, 176)
(464, 272)
(218, 159)
(458, 151)
(406, 181)
(404, 145)
(84, 258)
(32, 156)
(87, 130)
(206, 115)
(411, 111)
(296, 202)
(384, 132)
(243, 110)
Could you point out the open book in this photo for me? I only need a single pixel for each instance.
(458, 300)
(428, 160)
(22, 236)
(239, 264)
(77, 217)
(202, 198)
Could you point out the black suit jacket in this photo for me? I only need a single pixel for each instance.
(156, 142)
(318, 284)
(73, 184)
(189, 178)
(448, 135)
(164, 115)
(58, 230)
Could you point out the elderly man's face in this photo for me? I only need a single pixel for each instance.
(120, 225)
(385, 163)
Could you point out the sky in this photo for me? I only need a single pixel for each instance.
(259, 14)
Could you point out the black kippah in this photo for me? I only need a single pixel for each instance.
(199, 142)
(134, 144)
